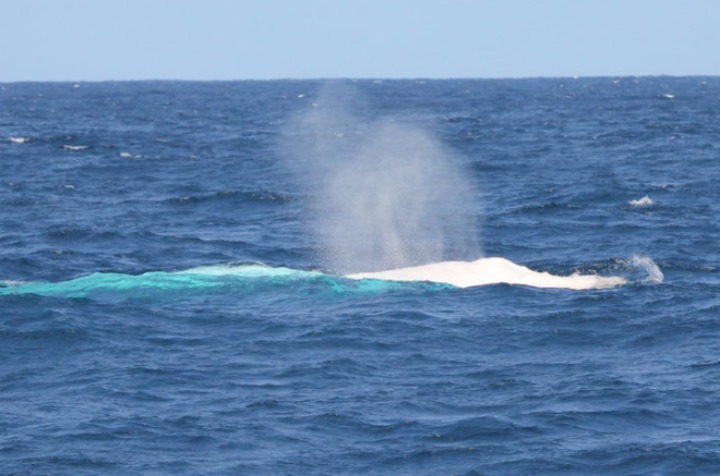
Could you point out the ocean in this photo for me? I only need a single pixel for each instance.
(211, 278)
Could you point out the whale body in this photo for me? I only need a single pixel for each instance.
(464, 274)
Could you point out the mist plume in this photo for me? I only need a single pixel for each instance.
(382, 193)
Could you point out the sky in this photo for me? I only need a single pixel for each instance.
(93, 40)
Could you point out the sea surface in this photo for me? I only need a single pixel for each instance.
(173, 298)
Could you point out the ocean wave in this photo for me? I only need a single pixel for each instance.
(19, 140)
(239, 196)
(75, 147)
(545, 207)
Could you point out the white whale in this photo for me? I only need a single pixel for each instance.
(465, 274)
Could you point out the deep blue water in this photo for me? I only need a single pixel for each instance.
(113, 363)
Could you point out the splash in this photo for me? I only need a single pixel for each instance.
(383, 193)
(644, 269)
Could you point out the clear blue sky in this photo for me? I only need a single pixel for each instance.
(44, 40)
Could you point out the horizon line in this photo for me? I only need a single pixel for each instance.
(364, 78)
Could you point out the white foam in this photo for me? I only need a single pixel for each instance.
(75, 147)
(668, 96)
(464, 274)
(642, 202)
(128, 155)
(19, 140)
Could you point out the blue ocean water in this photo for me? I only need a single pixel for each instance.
(167, 306)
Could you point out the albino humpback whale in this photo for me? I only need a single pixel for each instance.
(464, 274)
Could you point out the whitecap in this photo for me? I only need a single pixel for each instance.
(642, 202)
(19, 140)
(75, 147)
(668, 96)
(128, 155)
